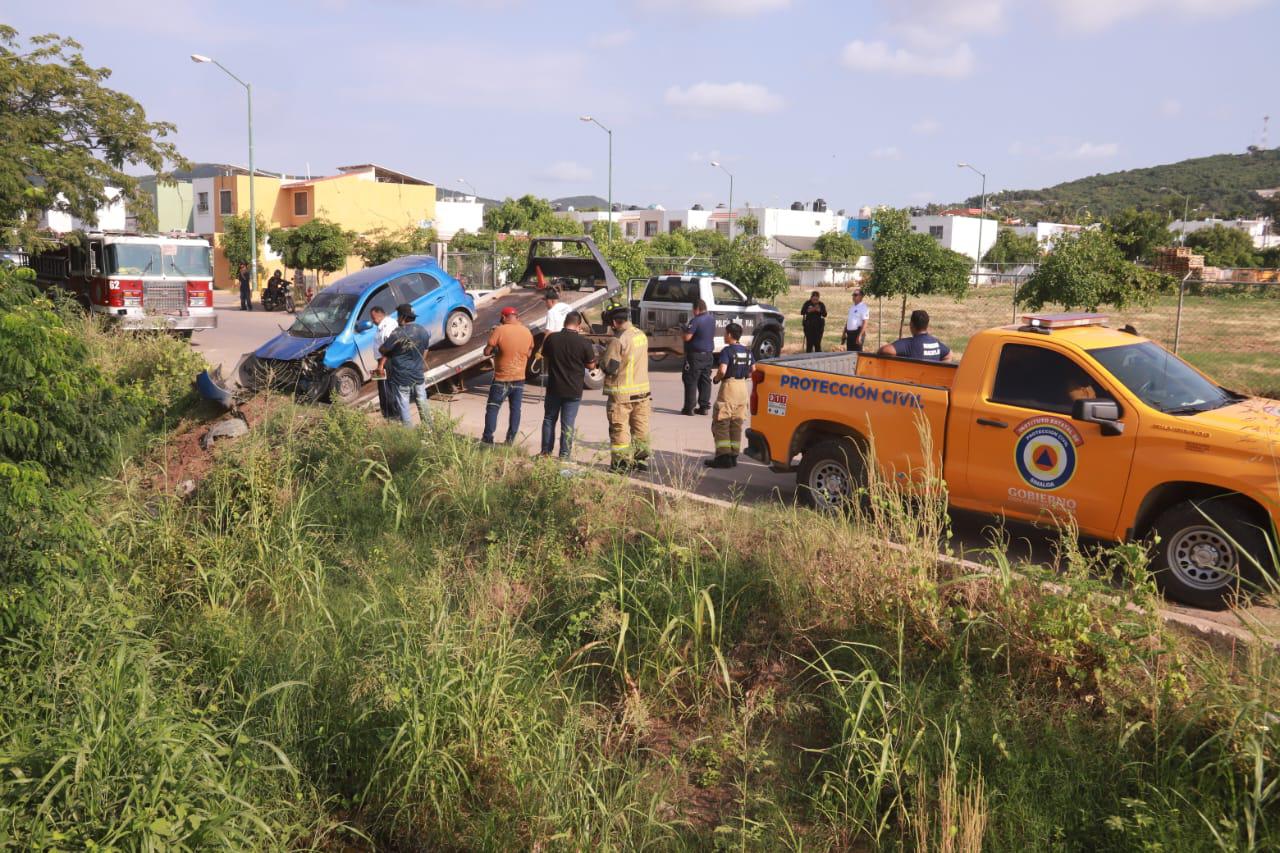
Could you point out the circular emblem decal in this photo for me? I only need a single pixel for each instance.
(1046, 457)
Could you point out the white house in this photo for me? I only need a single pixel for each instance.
(968, 235)
(1256, 228)
(460, 213)
(1044, 232)
(109, 217)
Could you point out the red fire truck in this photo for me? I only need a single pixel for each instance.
(141, 281)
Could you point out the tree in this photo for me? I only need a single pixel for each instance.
(675, 244)
(744, 263)
(379, 246)
(318, 245)
(1013, 248)
(748, 224)
(838, 247)
(909, 264)
(527, 213)
(1086, 270)
(708, 242)
(1138, 233)
(65, 138)
(805, 256)
(235, 239)
(1224, 247)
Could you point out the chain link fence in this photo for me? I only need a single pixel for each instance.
(476, 270)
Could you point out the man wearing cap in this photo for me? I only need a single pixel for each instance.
(405, 350)
(626, 386)
(855, 325)
(510, 344)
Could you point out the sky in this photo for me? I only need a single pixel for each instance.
(858, 102)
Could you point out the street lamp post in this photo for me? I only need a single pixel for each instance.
(1186, 211)
(592, 120)
(716, 163)
(253, 210)
(982, 215)
(469, 186)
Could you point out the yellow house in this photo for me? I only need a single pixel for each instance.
(360, 198)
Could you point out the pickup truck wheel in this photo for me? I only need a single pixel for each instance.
(458, 327)
(830, 475)
(1201, 556)
(766, 345)
(345, 385)
(594, 379)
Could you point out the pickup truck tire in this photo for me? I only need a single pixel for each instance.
(766, 345)
(345, 385)
(594, 379)
(458, 327)
(830, 474)
(1197, 558)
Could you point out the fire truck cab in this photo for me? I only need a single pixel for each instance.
(141, 281)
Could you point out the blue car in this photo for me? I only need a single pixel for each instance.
(331, 349)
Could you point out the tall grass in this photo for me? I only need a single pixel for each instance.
(359, 636)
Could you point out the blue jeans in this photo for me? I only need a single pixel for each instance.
(406, 393)
(566, 409)
(499, 391)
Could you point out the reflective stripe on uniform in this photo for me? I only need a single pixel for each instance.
(615, 390)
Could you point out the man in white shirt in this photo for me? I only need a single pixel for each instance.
(556, 312)
(386, 324)
(855, 325)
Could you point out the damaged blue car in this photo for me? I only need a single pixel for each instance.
(331, 349)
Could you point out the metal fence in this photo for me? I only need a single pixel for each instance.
(476, 270)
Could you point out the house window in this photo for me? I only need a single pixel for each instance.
(224, 202)
(651, 229)
(631, 229)
(300, 204)
(674, 225)
(935, 231)
(202, 202)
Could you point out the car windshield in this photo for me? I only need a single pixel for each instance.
(1161, 379)
(133, 259)
(187, 261)
(326, 315)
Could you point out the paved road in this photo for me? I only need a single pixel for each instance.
(680, 442)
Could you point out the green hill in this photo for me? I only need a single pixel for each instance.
(1225, 184)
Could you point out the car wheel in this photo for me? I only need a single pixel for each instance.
(594, 379)
(345, 385)
(458, 327)
(766, 345)
(1203, 553)
(830, 475)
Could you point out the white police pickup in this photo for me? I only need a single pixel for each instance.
(666, 307)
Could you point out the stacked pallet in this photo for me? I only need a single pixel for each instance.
(1178, 260)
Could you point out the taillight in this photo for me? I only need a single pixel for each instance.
(124, 294)
(198, 295)
(757, 376)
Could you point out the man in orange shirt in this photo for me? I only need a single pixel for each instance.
(510, 344)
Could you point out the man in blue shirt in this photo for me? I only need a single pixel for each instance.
(406, 350)
(731, 404)
(699, 344)
(921, 345)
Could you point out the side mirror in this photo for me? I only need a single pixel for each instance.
(1104, 413)
(364, 325)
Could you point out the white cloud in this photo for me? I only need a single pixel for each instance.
(878, 56)
(934, 23)
(886, 152)
(724, 97)
(1170, 108)
(1093, 151)
(567, 172)
(926, 127)
(719, 8)
(1094, 15)
(608, 41)
(699, 157)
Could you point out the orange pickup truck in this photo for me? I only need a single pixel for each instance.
(1059, 417)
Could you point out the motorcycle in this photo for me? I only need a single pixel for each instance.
(278, 297)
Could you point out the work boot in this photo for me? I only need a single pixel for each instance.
(721, 461)
(620, 466)
(703, 410)
(687, 412)
(640, 466)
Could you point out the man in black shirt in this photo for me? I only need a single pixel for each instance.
(568, 355)
(405, 350)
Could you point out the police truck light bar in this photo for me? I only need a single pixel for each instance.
(1063, 321)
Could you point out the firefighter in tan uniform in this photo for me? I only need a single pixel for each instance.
(626, 385)
(732, 375)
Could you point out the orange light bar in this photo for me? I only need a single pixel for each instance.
(1063, 321)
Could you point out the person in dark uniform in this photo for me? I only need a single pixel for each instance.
(814, 314)
(246, 292)
(699, 345)
(921, 345)
(732, 376)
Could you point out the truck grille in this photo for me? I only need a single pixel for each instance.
(164, 295)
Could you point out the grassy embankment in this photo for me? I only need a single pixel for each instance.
(1235, 338)
(353, 635)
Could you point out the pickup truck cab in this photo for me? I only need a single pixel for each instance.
(666, 306)
(1060, 417)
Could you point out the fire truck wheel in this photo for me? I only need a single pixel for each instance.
(345, 385)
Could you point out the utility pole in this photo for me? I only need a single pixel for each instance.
(592, 120)
(253, 210)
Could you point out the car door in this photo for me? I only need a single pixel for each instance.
(1028, 457)
(366, 333)
(424, 293)
(731, 306)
